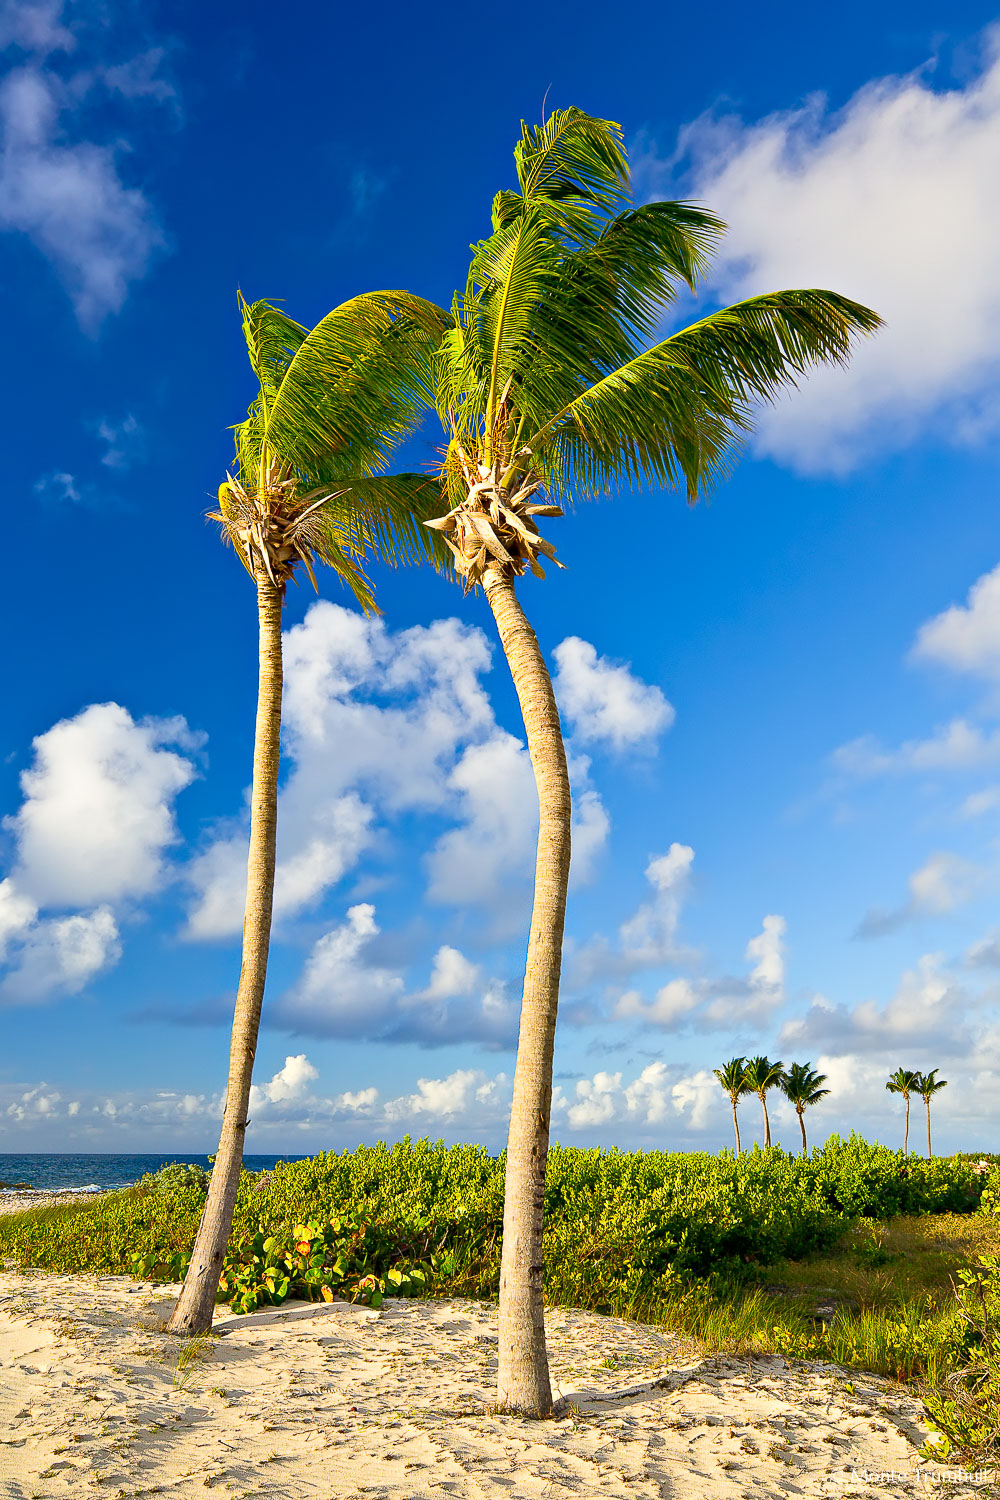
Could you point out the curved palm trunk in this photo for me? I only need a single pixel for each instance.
(906, 1128)
(767, 1123)
(523, 1376)
(736, 1127)
(928, 1103)
(802, 1127)
(193, 1313)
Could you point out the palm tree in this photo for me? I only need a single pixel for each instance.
(904, 1081)
(548, 388)
(761, 1075)
(927, 1085)
(802, 1087)
(733, 1078)
(330, 405)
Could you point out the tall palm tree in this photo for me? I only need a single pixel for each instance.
(548, 388)
(904, 1081)
(733, 1078)
(927, 1085)
(761, 1075)
(304, 490)
(802, 1087)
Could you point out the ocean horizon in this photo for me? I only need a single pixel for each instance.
(56, 1172)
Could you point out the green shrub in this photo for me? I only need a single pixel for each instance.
(177, 1174)
(868, 1180)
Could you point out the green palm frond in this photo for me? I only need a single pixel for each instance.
(801, 1085)
(928, 1084)
(903, 1081)
(762, 1074)
(384, 516)
(676, 409)
(572, 156)
(733, 1078)
(356, 384)
(273, 339)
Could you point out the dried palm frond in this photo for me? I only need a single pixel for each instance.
(492, 529)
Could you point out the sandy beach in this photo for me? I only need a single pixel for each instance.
(337, 1401)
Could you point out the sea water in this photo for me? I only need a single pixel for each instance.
(59, 1172)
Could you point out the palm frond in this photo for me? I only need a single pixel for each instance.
(677, 408)
(356, 384)
(573, 155)
(273, 339)
(385, 514)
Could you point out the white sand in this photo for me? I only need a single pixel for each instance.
(335, 1402)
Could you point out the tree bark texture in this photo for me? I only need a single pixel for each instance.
(523, 1376)
(193, 1313)
(736, 1127)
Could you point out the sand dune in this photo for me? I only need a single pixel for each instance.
(336, 1402)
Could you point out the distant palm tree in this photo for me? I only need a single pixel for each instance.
(927, 1085)
(761, 1075)
(802, 1087)
(904, 1081)
(305, 490)
(733, 1078)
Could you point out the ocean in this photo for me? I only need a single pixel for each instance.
(57, 1172)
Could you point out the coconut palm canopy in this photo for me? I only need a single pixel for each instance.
(552, 380)
(333, 401)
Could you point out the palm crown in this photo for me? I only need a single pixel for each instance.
(547, 380)
(904, 1081)
(733, 1078)
(802, 1086)
(928, 1084)
(332, 403)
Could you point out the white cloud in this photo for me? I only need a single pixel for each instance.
(34, 25)
(929, 1013)
(718, 1004)
(767, 953)
(966, 637)
(890, 201)
(345, 991)
(649, 937)
(452, 974)
(958, 746)
(59, 956)
(289, 1084)
(943, 883)
(97, 815)
(124, 442)
(69, 198)
(92, 832)
(59, 487)
(657, 1096)
(377, 725)
(604, 702)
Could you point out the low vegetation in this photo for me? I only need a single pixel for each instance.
(857, 1254)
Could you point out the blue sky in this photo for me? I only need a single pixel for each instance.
(783, 708)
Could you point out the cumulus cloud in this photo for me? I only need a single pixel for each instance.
(657, 1096)
(891, 201)
(929, 1013)
(648, 938)
(718, 1004)
(64, 192)
(90, 836)
(97, 815)
(345, 991)
(943, 883)
(378, 725)
(604, 702)
(59, 956)
(966, 637)
(958, 746)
